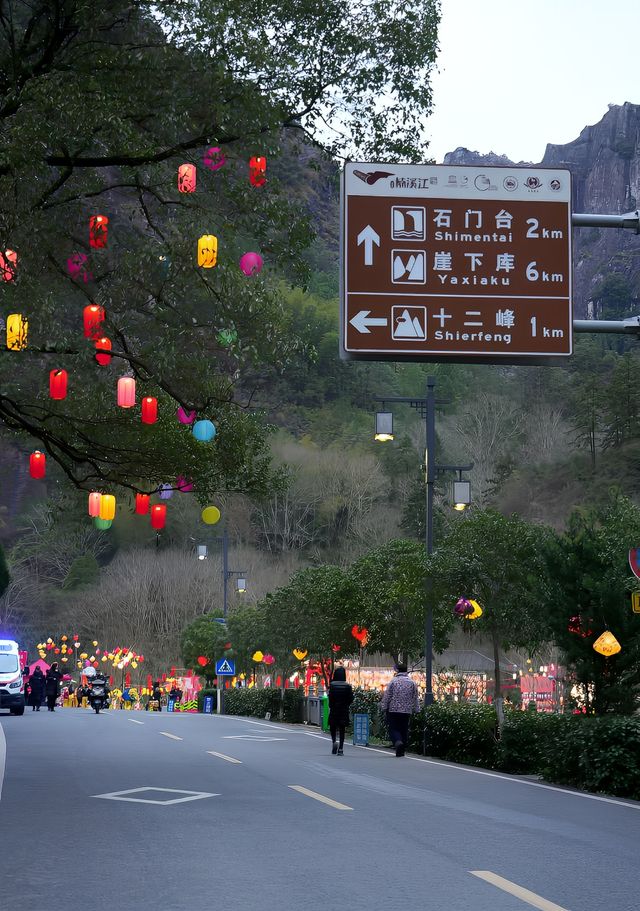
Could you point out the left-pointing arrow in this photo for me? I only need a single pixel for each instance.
(361, 321)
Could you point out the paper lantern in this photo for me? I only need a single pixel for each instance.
(17, 330)
(575, 626)
(84, 656)
(37, 464)
(257, 171)
(207, 251)
(360, 635)
(8, 265)
(126, 392)
(104, 659)
(335, 648)
(103, 345)
(165, 491)
(63, 638)
(58, 384)
(202, 660)
(77, 267)
(214, 158)
(56, 651)
(300, 653)
(98, 231)
(94, 643)
(607, 644)
(268, 659)
(257, 656)
(185, 417)
(204, 431)
(251, 263)
(107, 506)
(227, 337)
(158, 516)
(477, 610)
(186, 178)
(142, 504)
(94, 508)
(92, 319)
(210, 515)
(149, 411)
(64, 659)
(183, 485)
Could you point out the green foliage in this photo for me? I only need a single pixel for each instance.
(524, 738)
(613, 296)
(252, 702)
(203, 637)
(83, 571)
(458, 733)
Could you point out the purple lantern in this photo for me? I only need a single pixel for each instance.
(214, 158)
(463, 607)
(185, 417)
(183, 485)
(251, 263)
(165, 491)
(77, 267)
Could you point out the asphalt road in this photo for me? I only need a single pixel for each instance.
(276, 822)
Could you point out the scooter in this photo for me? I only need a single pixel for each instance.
(98, 695)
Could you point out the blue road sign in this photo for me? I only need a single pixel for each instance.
(360, 729)
(171, 704)
(225, 667)
(207, 707)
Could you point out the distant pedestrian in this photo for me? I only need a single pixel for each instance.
(340, 698)
(36, 690)
(400, 699)
(52, 686)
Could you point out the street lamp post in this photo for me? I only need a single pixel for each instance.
(241, 584)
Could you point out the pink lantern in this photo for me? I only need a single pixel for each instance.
(268, 659)
(77, 268)
(187, 178)
(183, 485)
(214, 158)
(126, 392)
(251, 263)
(185, 417)
(94, 504)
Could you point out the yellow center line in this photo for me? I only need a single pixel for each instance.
(332, 803)
(222, 756)
(519, 891)
(173, 736)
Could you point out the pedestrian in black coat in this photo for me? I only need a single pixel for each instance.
(36, 689)
(52, 686)
(340, 698)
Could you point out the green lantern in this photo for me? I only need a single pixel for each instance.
(227, 337)
(102, 524)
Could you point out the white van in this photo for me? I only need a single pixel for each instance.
(11, 679)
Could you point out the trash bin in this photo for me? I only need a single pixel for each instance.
(314, 715)
(361, 729)
(325, 712)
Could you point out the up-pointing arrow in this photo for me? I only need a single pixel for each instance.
(361, 321)
(368, 237)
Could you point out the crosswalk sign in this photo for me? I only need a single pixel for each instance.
(225, 667)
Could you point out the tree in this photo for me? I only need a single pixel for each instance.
(99, 104)
(203, 637)
(5, 578)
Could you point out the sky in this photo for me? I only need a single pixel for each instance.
(516, 75)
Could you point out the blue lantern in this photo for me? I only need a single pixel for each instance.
(165, 491)
(204, 431)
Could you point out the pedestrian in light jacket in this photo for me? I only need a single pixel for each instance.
(399, 701)
(340, 698)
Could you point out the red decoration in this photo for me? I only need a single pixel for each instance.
(575, 626)
(58, 384)
(335, 648)
(92, 318)
(77, 267)
(37, 465)
(142, 504)
(158, 516)
(76, 637)
(127, 679)
(149, 413)
(8, 265)
(56, 651)
(103, 345)
(360, 635)
(95, 664)
(186, 178)
(94, 504)
(98, 231)
(257, 171)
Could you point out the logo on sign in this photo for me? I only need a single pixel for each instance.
(409, 322)
(408, 267)
(533, 183)
(555, 184)
(510, 183)
(372, 177)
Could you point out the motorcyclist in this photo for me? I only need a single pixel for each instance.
(100, 680)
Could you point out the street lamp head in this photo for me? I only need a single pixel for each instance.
(384, 426)
(202, 551)
(241, 585)
(461, 495)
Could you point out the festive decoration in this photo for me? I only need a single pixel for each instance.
(202, 661)
(575, 626)
(207, 251)
(17, 331)
(77, 267)
(204, 431)
(126, 392)
(94, 506)
(158, 516)
(463, 607)
(107, 506)
(257, 171)
(102, 524)
(477, 610)
(210, 515)
(268, 659)
(214, 158)
(185, 417)
(634, 561)
(8, 265)
(251, 263)
(300, 653)
(227, 337)
(58, 384)
(607, 644)
(335, 648)
(103, 345)
(142, 504)
(183, 485)
(98, 231)
(360, 635)
(187, 178)
(149, 411)
(37, 465)
(257, 656)
(92, 318)
(165, 491)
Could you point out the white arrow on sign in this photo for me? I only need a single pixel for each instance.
(361, 321)
(368, 237)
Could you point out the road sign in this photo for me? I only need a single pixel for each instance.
(459, 263)
(207, 706)
(635, 602)
(225, 667)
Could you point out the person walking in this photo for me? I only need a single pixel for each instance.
(399, 701)
(36, 689)
(52, 686)
(340, 698)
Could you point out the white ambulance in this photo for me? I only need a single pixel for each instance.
(11, 679)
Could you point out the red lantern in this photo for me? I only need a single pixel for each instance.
(158, 516)
(186, 178)
(56, 651)
(202, 660)
(142, 504)
(258, 171)
(93, 316)
(149, 410)
(8, 265)
(126, 392)
(37, 464)
(127, 679)
(94, 508)
(98, 231)
(58, 384)
(103, 344)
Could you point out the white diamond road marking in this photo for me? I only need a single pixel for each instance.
(191, 795)
(251, 737)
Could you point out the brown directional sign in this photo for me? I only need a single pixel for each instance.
(456, 263)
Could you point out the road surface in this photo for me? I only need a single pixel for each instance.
(241, 815)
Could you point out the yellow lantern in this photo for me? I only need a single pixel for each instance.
(49, 640)
(207, 251)
(210, 515)
(107, 506)
(64, 659)
(95, 642)
(84, 655)
(103, 659)
(79, 664)
(257, 656)
(300, 653)
(17, 327)
(607, 644)
(477, 610)
(134, 664)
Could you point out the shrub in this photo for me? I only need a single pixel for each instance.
(293, 706)
(253, 702)
(525, 736)
(457, 732)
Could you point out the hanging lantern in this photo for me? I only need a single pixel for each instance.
(142, 504)
(58, 384)
(103, 345)
(300, 653)
(149, 411)
(8, 265)
(202, 661)
(165, 491)
(268, 659)
(227, 337)
(183, 485)
(257, 171)
(94, 508)
(607, 644)
(37, 465)
(17, 330)
(92, 317)
(204, 431)
(477, 610)
(186, 178)
(56, 651)
(214, 158)
(102, 524)
(210, 515)
(126, 392)
(158, 516)
(98, 231)
(463, 607)
(257, 656)
(107, 506)
(185, 417)
(207, 251)
(575, 626)
(335, 648)
(251, 263)
(77, 267)
(360, 635)
(63, 638)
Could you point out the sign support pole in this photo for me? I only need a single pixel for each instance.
(430, 427)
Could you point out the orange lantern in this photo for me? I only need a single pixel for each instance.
(103, 345)
(158, 516)
(257, 171)
(58, 384)
(98, 231)
(37, 464)
(142, 504)
(94, 505)
(17, 328)
(8, 265)
(107, 506)
(126, 392)
(607, 644)
(186, 178)
(149, 412)
(207, 251)
(92, 317)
